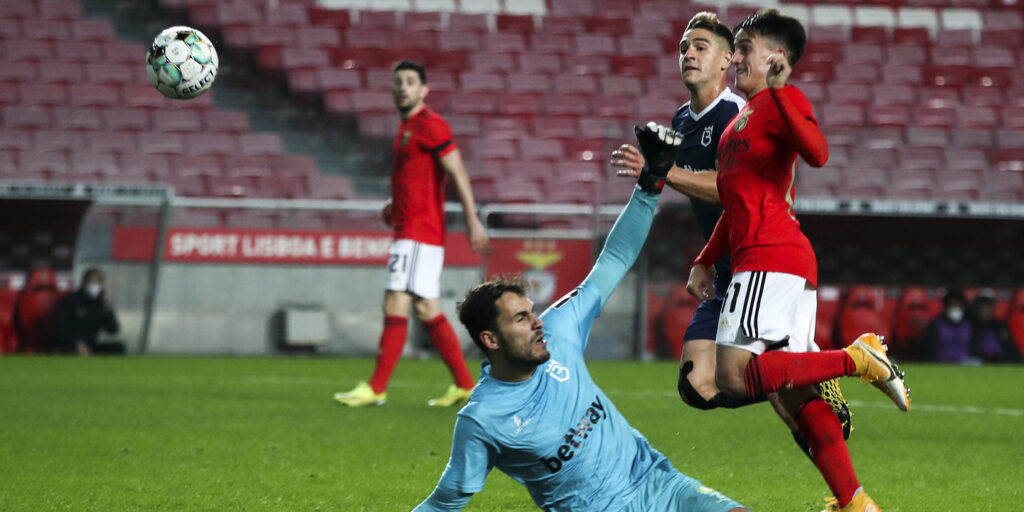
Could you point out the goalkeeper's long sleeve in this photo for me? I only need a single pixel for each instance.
(444, 500)
(623, 244)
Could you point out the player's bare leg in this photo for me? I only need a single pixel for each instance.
(697, 367)
(447, 344)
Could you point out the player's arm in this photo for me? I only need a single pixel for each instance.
(452, 164)
(803, 128)
(471, 459)
(700, 284)
(658, 145)
(578, 309)
(698, 184)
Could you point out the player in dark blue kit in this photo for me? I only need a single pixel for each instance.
(705, 53)
(538, 416)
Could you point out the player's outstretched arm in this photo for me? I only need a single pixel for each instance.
(658, 145)
(471, 459)
(700, 283)
(452, 164)
(803, 128)
(698, 184)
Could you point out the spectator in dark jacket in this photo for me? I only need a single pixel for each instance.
(948, 338)
(990, 338)
(81, 315)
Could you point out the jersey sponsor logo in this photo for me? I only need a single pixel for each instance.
(705, 138)
(728, 151)
(741, 123)
(576, 435)
(557, 371)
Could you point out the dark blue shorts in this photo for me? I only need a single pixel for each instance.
(704, 324)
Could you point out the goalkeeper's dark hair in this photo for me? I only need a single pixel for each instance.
(786, 31)
(415, 66)
(709, 21)
(478, 312)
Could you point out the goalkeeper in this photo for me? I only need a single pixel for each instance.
(537, 415)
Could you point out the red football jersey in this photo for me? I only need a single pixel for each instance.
(417, 178)
(757, 156)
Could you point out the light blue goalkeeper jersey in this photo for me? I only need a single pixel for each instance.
(557, 433)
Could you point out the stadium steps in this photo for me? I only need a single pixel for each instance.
(304, 130)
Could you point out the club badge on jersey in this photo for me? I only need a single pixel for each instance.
(741, 123)
(705, 138)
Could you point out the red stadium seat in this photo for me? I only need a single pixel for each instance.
(917, 307)
(842, 115)
(504, 43)
(621, 86)
(1015, 319)
(423, 21)
(972, 138)
(977, 117)
(884, 95)
(8, 333)
(472, 22)
(260, 144)
(95, 163)
(555, 127)
(15, 139)
(862, 311)
(515, 23)
(35, 308)
(211, 144)
(566, 105)
(586, 44)
(22, 50)
(826, 317)
(981, 96)
(679, 309)
(287, 14)
(53, 30)
(902, 74)
(482, 82)
(57, 140)
(541, 149)
(90, 30)
(341, 18)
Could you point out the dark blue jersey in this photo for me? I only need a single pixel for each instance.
(701, 132)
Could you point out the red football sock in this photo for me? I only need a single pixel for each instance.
(772, 371)
(392, 341)
(820, 426)
(447, 344)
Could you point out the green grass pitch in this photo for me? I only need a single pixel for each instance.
(223, 434)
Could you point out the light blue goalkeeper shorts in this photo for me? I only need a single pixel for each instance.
(668, 490)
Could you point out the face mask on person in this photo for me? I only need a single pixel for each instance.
(955, 314)
(93, 290)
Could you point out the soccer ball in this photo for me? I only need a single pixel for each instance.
(182, 63)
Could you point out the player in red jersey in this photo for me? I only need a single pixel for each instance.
(766, 332)
(423, 154)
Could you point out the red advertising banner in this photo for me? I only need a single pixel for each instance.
(215, 245)
(551, 267)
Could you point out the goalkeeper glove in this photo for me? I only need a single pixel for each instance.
(658, 144)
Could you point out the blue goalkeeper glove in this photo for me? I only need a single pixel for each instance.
(658, 144)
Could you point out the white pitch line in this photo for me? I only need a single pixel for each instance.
(654, 393)
(956, 409)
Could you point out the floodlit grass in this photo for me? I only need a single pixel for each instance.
(226, 434)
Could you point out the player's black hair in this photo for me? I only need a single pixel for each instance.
(415, 66)
(709, 21)
(89, 272)
(786, 31)
(478, 312)
(953, 295)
